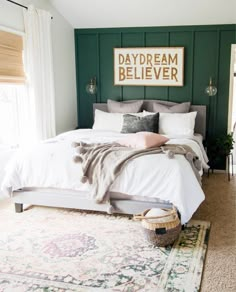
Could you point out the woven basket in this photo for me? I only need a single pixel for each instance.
(161, 233)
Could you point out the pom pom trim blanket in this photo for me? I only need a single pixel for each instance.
(103, 162)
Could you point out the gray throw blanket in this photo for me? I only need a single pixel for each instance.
(102, 163)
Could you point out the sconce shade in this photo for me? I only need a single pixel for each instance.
(91, 87)
(211, 90)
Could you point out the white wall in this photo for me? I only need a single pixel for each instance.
(63, 58)
(126, 13)
(11, 16)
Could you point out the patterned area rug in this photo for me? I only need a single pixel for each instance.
(47, 249)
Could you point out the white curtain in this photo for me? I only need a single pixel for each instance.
(17, 124)
(39, 70)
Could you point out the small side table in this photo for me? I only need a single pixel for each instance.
(230, 157)
(230, 162)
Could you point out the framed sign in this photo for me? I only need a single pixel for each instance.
(149, 66)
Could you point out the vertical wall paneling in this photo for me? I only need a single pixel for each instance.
(205, 49)
(207, 54)
(214, 99)
(204, 63)
(107, 88)
(192, 66)
(86, 69)
(98, 76)
(133, 40)
(183, 39)
(156, 39)
(77, 65)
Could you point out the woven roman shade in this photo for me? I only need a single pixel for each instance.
(11, 61)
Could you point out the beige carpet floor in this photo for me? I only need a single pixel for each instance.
(220, 209)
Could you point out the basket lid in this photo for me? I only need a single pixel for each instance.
(159, 213)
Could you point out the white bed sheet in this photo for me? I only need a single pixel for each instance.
(50, 165)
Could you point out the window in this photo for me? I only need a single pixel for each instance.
(12, 116)
(11, 61)
(14, 103)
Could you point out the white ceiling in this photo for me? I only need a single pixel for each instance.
(131, 13)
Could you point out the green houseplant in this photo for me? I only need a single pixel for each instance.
(219, 148)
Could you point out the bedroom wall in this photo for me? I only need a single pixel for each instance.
(133, 13)
(63, 57)
(207, 53)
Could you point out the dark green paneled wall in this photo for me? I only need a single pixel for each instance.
(207, 53)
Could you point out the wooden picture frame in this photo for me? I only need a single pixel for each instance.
(153, 66)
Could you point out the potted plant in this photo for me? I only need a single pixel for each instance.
(219, 148)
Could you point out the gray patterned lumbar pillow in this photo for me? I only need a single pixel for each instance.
(134, 124)
(177, 108)
(124, 107)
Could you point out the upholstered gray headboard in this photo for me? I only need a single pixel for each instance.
(200, 123)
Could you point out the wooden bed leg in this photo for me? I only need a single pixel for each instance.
(18, 208)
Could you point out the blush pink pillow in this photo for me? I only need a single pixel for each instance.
(143, 140)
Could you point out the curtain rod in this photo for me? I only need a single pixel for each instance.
(18, 4)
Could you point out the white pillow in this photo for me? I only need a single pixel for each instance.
(110, 121)
(177, 124)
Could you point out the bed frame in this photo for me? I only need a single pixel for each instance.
(119, 203)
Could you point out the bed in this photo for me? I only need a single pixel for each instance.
(46, 175)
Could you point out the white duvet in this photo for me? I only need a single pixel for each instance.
(50, 165)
